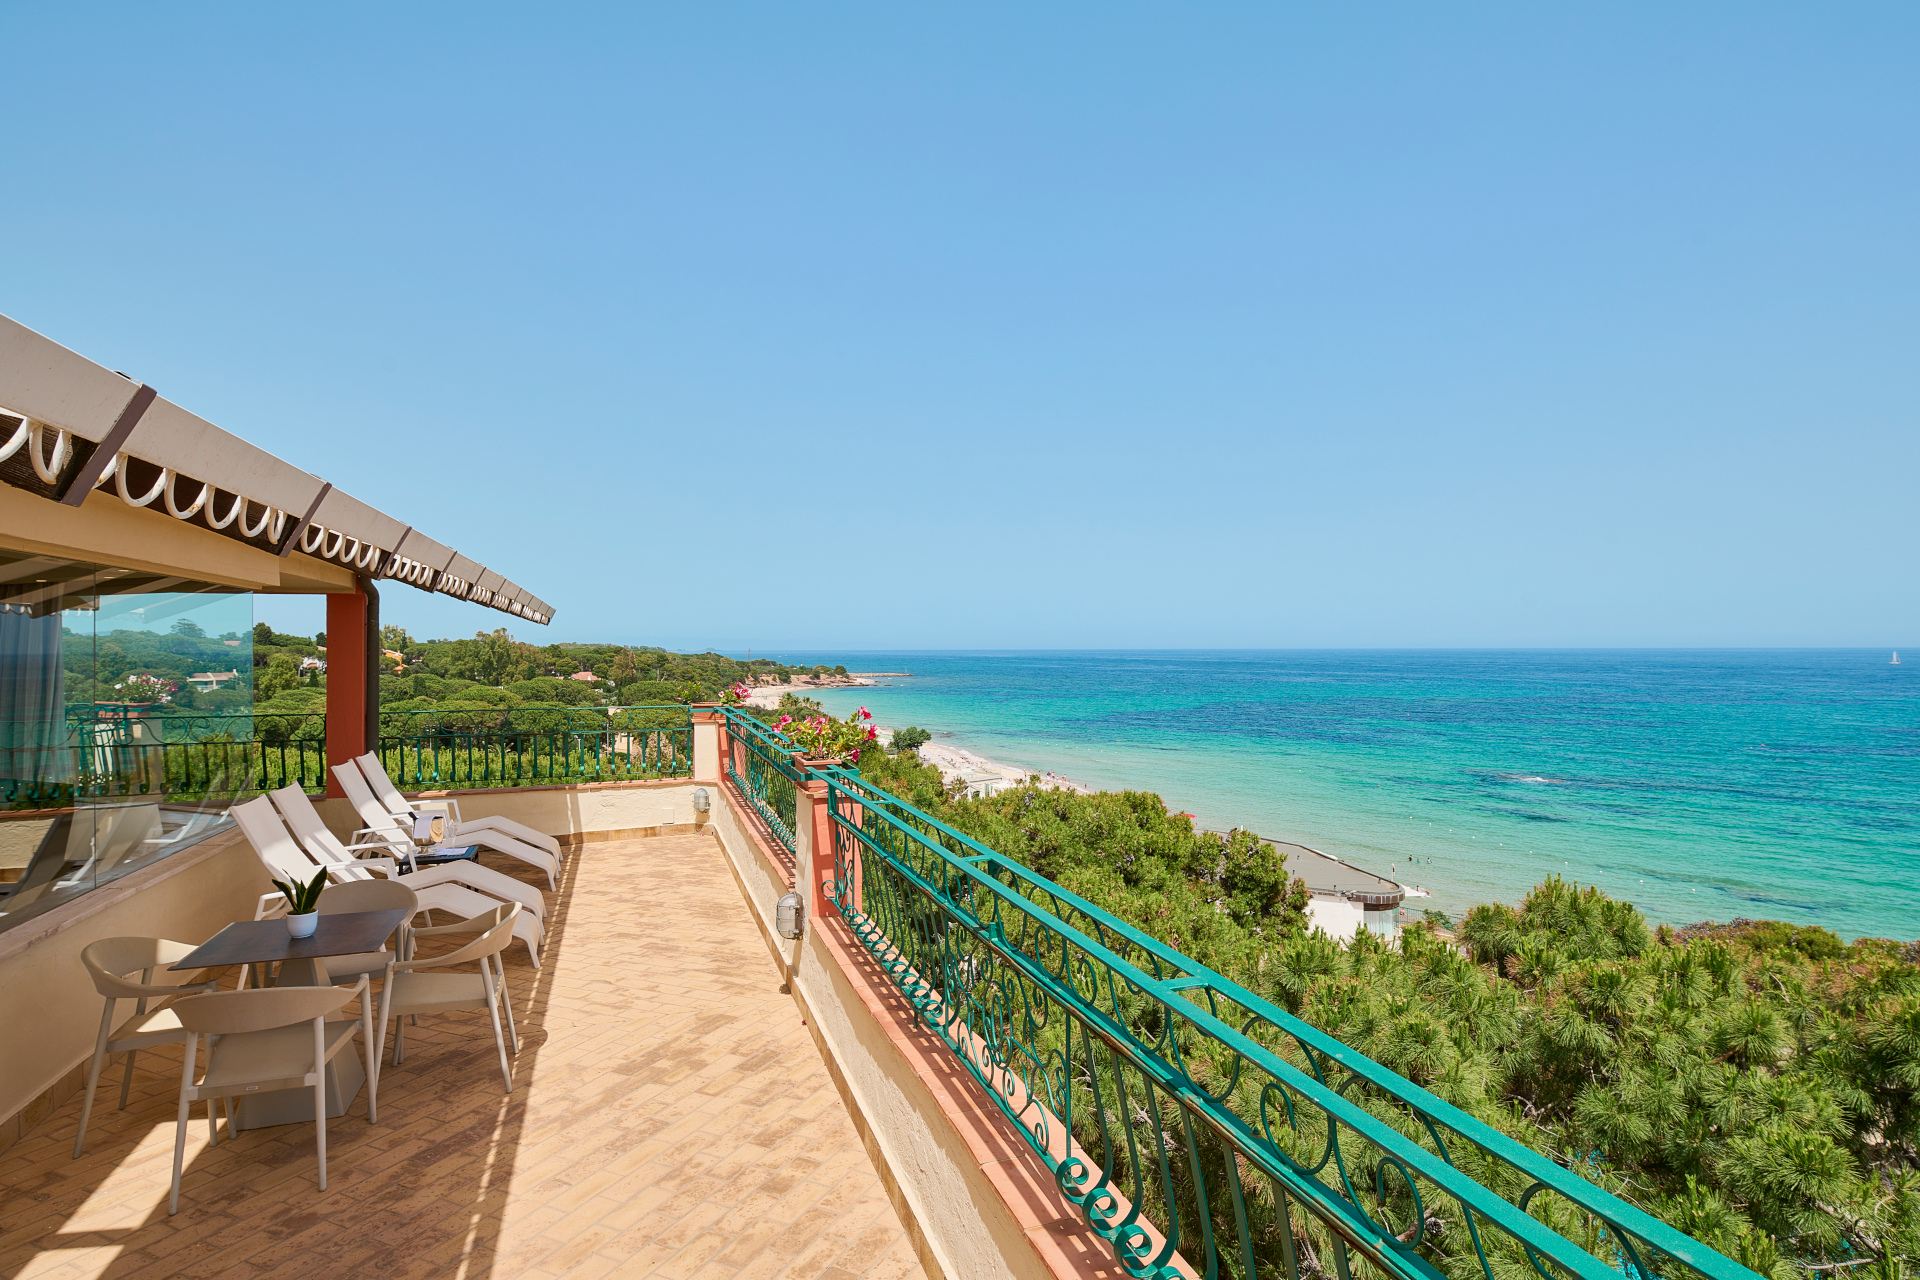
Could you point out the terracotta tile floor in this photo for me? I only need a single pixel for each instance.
(671, 1117)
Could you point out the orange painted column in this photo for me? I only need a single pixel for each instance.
(820, 872)
(346, 681)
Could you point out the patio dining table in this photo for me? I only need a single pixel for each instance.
(302, 962)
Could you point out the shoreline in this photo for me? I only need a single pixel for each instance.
(767, 696)
(1329, 877)
(958, 762)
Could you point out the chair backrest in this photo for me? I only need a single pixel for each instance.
(382, 786)
(321, 844)
(224, 1013)
(109, 960)
(271, 844)
(367, 895)
(372, 813)
(498, 924)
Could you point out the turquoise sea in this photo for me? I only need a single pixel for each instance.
(1698, 784)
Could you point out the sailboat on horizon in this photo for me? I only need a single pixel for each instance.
(1896, 659)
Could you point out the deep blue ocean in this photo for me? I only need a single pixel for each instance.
(1698, 784)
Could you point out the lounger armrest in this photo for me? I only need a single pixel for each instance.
(388, 865)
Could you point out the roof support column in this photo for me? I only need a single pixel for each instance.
(349, 665)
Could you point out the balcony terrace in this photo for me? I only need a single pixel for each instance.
(784, 1024)
(958, 1069)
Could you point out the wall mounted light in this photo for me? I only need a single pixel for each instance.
(701, 801)
(790, 916)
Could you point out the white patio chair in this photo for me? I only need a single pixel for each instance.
(369, 895)
(462, 888)
(457, 829)
(273, 1038)
(409, 989)
(109, 962)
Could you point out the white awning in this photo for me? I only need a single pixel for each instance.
(58, 409)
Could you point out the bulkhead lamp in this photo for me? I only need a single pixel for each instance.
(790, 916)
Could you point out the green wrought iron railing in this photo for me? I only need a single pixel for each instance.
(760, 764)
(1200, 1129)
(535, 746)
(187, 756)
(114, 752)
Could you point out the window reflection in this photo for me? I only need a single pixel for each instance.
(125, 726)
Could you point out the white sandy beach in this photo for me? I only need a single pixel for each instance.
(957, 762)
(767, 696)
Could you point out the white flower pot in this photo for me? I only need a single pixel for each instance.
(303, 926)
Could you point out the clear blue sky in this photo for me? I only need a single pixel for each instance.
(823, 326)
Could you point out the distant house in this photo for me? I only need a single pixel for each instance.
(583, 675)
(208, 681)
(314, 664)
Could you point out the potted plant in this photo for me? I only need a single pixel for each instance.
(829, 741)
(303, 902)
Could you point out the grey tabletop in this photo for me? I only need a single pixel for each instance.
(264, 941)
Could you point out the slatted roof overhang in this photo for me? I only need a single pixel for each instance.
(69, 426)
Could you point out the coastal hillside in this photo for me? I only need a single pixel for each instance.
(494, 670)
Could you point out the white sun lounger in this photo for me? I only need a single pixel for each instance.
(406, 810)
(461, 887)
(383, 828)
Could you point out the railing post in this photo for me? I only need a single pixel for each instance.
(813, 843)
(707, 729)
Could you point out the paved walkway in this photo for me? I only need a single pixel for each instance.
(671, 1117)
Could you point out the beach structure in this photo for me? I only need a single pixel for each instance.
(783, 1023)
(981, 783)
(1345, 897)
